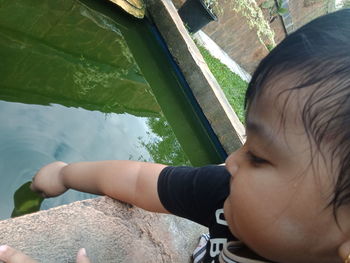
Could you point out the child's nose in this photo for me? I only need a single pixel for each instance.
(232, 162)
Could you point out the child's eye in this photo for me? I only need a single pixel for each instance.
(255, 160)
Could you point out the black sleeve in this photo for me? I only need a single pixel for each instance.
(194, 193)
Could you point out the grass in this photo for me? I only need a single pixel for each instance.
(232, 85)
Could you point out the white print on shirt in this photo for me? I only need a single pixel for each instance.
(218, 219)
(217, 244)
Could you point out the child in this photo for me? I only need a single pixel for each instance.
(285, 193)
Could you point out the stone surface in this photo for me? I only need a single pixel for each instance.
(109, 230)
(197, 74)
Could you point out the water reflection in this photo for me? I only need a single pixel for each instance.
(34, 135)
(164, 147)
(69, 54)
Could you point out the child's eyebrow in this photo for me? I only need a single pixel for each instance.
(257, 128)
(261, 131)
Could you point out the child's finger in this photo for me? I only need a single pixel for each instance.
(32, 185)
(11, 255)
(82, 257)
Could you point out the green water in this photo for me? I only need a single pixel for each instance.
(80, 81)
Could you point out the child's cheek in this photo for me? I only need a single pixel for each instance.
(258, 216)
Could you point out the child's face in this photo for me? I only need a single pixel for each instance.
(278, 201)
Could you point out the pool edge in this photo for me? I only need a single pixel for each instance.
(109, 230)
(206, 90)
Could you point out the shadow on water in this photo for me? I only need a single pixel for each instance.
(82, 81)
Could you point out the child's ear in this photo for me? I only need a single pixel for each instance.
(344, 251)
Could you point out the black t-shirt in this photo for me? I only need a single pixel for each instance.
(198, 194)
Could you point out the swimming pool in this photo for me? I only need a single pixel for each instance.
(80, 81)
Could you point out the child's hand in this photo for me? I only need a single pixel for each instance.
(11, 255)
(48, 181)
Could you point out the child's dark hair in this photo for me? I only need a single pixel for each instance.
(319, 54)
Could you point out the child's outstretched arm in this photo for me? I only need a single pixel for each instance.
(129, 181)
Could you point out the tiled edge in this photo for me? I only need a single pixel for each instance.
(204, 86)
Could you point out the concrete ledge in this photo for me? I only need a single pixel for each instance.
(207, 91)
(109, 230)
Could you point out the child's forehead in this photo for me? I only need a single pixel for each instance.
(284, 90)
(280, 106)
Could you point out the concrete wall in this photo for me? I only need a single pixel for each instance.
(303, 11)
(241, 43)
(111, 232)
(234, 36)
(204, 86)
